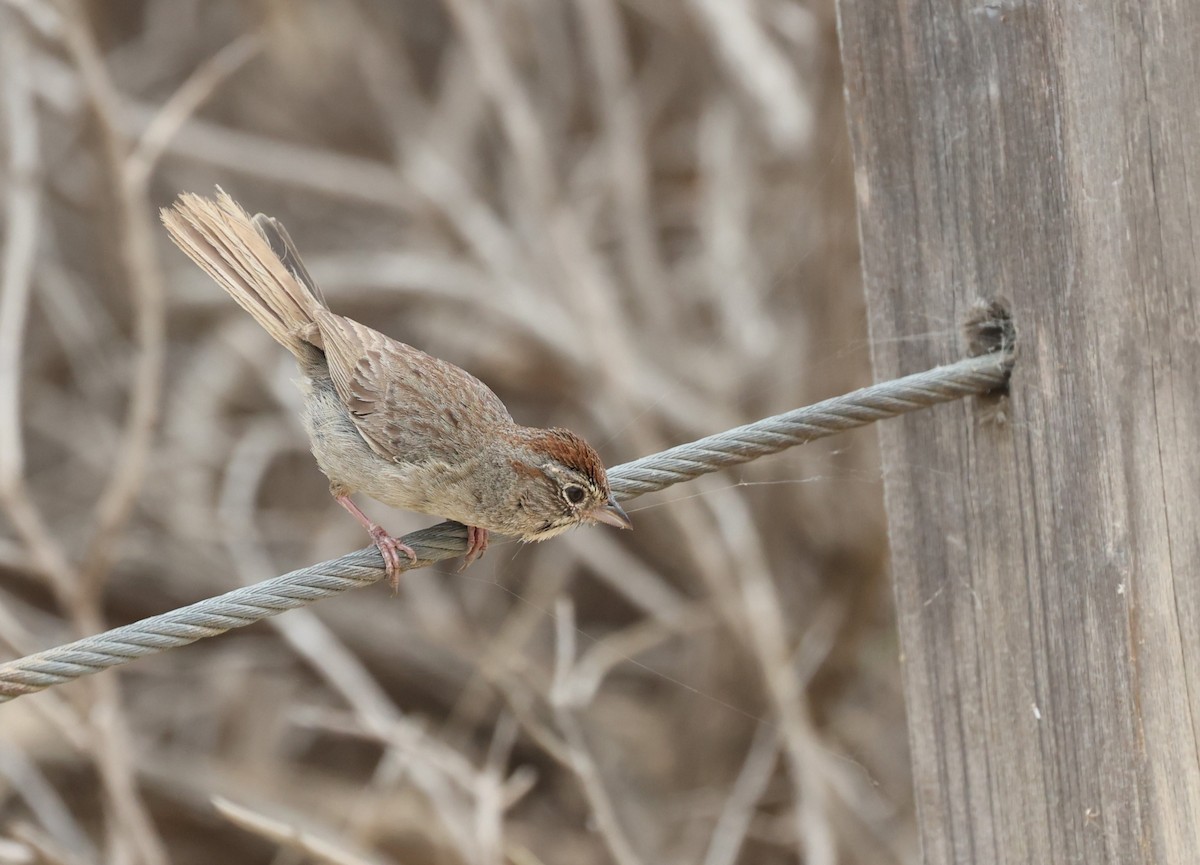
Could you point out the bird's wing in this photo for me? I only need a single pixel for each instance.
(409, 406)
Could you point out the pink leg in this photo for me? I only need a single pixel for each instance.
(477, 542)
(389, 547)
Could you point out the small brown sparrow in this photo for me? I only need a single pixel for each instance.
(387, 420)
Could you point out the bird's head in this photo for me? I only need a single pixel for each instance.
(562, 485)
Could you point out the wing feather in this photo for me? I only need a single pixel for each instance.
(409, 406)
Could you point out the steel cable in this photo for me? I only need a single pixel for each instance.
(250, 604)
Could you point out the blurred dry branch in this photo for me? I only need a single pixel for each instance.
(630, 218)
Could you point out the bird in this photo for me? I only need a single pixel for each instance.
(387, 420)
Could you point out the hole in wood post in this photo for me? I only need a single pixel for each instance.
(989, 329)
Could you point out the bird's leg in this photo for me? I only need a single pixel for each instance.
(477, 542)
(389, 547)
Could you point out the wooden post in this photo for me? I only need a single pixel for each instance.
(1047, 564)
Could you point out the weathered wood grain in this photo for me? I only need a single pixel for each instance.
(1047, 568)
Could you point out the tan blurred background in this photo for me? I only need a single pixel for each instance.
(630, 217)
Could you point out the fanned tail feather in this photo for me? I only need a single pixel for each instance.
(222, 238)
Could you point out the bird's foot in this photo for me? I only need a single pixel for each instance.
(391, 548)
(477, 542)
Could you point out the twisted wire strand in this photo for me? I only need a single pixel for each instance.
(250, 604)
(782, 431)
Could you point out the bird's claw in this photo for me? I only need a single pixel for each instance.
(477, 543)
(391, 548)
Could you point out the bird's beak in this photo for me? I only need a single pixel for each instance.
(611, 514)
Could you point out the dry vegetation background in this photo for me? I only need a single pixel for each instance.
(630, 217)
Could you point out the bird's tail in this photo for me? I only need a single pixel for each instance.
(254, 261)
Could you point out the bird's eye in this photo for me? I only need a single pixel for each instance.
(574, 494)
